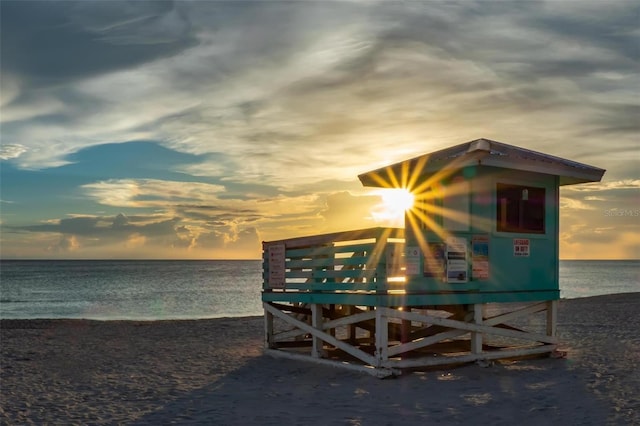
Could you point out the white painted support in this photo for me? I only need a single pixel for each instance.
(476, 337)
(552, 317)
(371, 334)
(453, 359)
(392, 313)
(316, 322)
(382, 335)
(380, 373)
(288, 335)
(528, 310)
(426, 341)
(355, 352)
(268, 328)
(352, 319)
(421, 343)
(385, 361)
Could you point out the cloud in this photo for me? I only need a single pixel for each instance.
(144, 236)
(262, 79)
(66, 244)
(70, 40)
(149, 192)
(633, 184)
(267, 111)
(10, 151)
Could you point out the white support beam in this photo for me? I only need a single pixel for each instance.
(428, 319)
(529, 310)
(452, 359)
(351, 319)
(421, 343)
(357, 353)
(380, 373)
(382, 336)
(268, 328)
(288, 335)
(385, 360)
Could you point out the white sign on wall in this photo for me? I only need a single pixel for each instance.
(277, 266)
(457, 266)
(480, 257)
(412, 260)
(521, 247)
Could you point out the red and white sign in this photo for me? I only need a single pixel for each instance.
(521, 247)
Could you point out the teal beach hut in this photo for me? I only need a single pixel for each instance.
(473, 276)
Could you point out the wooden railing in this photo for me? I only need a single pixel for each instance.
(364, 260)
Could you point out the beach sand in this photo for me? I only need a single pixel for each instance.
(213, 372)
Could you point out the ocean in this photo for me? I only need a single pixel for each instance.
(178, 289)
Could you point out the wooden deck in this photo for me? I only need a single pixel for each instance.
(340, 299)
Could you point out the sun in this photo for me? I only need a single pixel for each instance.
(397, 199)
(395, 202)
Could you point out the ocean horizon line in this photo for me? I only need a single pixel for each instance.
(219, 259)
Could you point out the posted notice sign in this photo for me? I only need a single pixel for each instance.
(521, 247)
(457, 260)
(277, 266)
(412, 260)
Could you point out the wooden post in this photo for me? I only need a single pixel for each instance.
(406, 327)
(476, 336)
(332, 311)
(382, 335)
(268, 329)
(351, 328)
(316, 322)
(552, 317)
(371, 335)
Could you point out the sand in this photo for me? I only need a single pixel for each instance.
(213, 372)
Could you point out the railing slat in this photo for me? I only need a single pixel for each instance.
(352, 261)
(319, 240)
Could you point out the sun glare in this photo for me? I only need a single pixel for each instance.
(394, 204)
(397, 199)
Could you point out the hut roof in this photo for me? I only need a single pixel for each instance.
(482, 152)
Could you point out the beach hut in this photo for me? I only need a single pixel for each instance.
(473, 276)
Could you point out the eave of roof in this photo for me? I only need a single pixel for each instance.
(481, 152)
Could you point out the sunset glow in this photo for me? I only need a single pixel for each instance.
(397, 201)
(200, 129)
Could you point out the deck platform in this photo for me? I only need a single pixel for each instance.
(341, 299)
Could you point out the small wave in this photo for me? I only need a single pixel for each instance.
(9, 300)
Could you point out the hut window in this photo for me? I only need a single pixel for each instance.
(520, 209)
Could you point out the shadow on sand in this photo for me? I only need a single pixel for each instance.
(267, 391)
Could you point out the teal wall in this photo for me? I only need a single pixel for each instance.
(509, 276)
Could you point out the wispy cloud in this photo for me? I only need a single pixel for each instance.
(270, 99)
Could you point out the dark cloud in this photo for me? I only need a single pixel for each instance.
(116, 227)
(120, 221)
(46, 42)
(157, 233)
(246, 240)
(612, 27)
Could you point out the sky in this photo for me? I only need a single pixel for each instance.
(197, 130)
